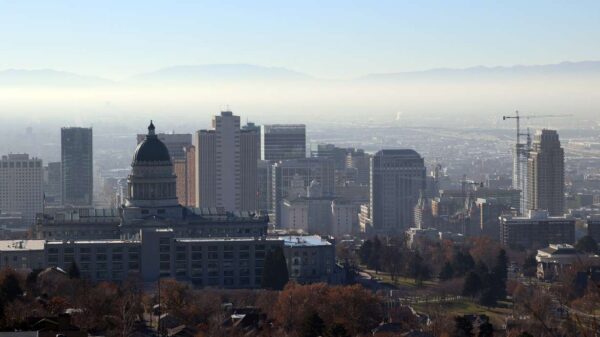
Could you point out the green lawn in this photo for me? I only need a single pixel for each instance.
(399, 281)
(467, 306)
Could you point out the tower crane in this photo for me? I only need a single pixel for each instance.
(517, 117)
(522, 151)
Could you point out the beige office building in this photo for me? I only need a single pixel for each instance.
(546, 174)
(185, 171)
(226, 161)
(21, 185)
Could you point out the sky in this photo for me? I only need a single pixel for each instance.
(326, 39)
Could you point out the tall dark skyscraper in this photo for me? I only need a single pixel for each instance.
(397, 178)
(53, 184)
(77, 166)
(546, 174)
(283, 141)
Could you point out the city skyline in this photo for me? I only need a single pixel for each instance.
(299, 169)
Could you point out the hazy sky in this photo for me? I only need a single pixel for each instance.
(331, 39)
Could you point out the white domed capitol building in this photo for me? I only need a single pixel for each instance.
(152, 235)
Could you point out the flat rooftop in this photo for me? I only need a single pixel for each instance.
(21, 245)
(304, 241)
(227, 239)
(83, 242)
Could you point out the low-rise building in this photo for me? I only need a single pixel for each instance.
(553, 260)
(364, 218)
(213, 262)
(223, 262)
(22, 254)
(415, 235)
(324, 216)
(593, 227)
(537, 229)
(309, 258)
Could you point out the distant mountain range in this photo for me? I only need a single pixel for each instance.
(564, 68)
(219, 72)
(187, 74)
(48, 77)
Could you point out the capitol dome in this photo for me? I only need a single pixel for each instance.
(152, 182)
(151, 149)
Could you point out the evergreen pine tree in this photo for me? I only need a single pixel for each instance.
(529, 265)
(481, 268)
(312, 325)
(500, 275)
(472, 285)
(374, 260)
(365, 251)
(488, 297)
(447, 272)
(10, 288)
(73, 271)
(587, 244)
(501, 267)
(462, 327)
(275, 273)
(525, 334)
(337, 330)
(486, 329)
(462, 263)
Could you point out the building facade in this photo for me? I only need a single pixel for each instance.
(319, 215)
(185, 170)
(21, 186)
(22, 254)
(554, 260)
(53, 184)
(226, 165)
(397, 178)
(249, 157)
(77, 166)
(284, 173)
(537, 229)
(222, 262)
(359, 161)
(309, 259)
(282, 141)
(337, 154)
(593, 227)
(546, 174)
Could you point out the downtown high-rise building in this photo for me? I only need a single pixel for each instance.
(77, 166)
(397, 179)
(519, 178)
(249, 157)
(282, 141)
(263, 181)
(358, 160)
(21, 186)
(185, 170)
(53, 184)
(285, 172)
(226, 156)
(546, 174)
(337, 154)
